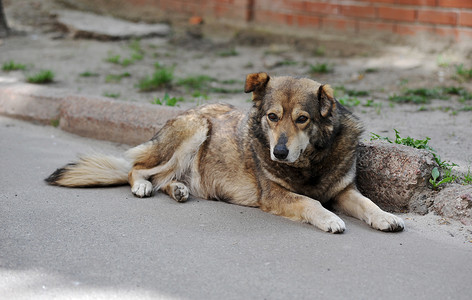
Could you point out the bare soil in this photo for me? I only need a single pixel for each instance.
(226, 55)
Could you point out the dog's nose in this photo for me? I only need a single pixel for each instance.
(280, 151)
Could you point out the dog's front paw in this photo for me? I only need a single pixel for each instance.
(387, 222)
(142, 188)
(330, 223)
(180, 192)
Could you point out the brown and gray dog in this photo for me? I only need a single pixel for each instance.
(294, 151)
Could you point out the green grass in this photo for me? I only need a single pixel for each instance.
(116, 77)
(228, 52)
(439, 175)
(112, 95)
(198, 82)
(424, 95)
(163, 76)
(43, 76)
(89, 74)
(13, 66)
(462, 71)
(167, 100)
(349, 101)
(320, 68)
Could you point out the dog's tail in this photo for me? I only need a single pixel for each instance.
(92, 170)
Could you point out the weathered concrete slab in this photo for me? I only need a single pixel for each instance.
(122, 122)
(31, 102)
(455, 202)
(394, 176)
(88, 25)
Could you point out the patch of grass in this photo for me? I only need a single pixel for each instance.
(13, 66)
(228, 52)
(199, 82)
(349, 101)
(88, 74)
(319, 51)
(43, 76)
(371, 70)
(462, 71)
(285, 63)
(163, 76)
(116, 77)
(54, 123)
(167, 100)
(112, 95)
(320, 68)
(424, 95)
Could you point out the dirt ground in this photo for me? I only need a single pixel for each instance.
(376, 68)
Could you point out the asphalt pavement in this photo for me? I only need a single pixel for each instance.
(103, 243)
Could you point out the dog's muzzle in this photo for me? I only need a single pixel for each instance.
(281, 150)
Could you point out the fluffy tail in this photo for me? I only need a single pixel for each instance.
(92, 170)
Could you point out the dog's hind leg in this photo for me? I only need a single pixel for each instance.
(176, 190)
(168, 157)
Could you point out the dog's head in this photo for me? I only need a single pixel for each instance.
(295, 114)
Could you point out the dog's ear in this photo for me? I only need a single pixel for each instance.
(326, 100)
(256, 82)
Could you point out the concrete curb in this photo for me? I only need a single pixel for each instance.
(393, 176)
(89, 116)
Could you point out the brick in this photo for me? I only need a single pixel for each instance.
(413, 29)
(417, 2)
(376, 26)
(358, 11)
(437, 17)
(455, 3)
(339, 24)
(397, 14)
(272, 18)
(465, 18)
(291, 5)
(322, 8)
(308, 21)
(378, 1)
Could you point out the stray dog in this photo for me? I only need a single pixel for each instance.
(294, 151)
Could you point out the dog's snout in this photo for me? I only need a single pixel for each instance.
(280, 151)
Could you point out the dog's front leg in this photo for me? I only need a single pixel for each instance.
(353, 203)
(301, 208)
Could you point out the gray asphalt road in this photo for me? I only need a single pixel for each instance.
(104, 243)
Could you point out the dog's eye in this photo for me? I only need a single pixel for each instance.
(273, 117)
(301, 119)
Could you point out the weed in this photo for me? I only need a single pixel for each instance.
(162, 76)
(349, 101)
(284, 63)
(424, 95)
(88, 74)
(199, 82)
(228, 52)
(371, 70)
(112, 95)
(461, 71)
(12, 66)
(116, 77)
(434, 178)
(54, 122)
(43, 76)
(355, 93)
(467, 177)
(167, 100)
(320, 68)
(466, 108)
(319, 51)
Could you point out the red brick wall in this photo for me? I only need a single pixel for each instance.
(449, 18)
